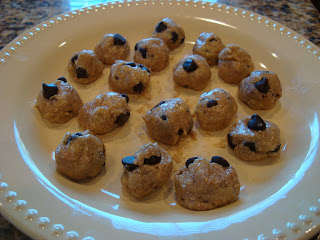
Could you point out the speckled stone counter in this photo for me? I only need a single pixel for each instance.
(16, 16)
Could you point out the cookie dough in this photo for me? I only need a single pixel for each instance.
(253, 138)
(215, 109)
(234, 64)
(129, 77)
(261, 90)
(84, 67)
(153, 53)
(204, 185)
(104, 113)
(170, 32)
(112, 47)
(59, 102)
(80, 156)
(208, 45)
(146, 171)
(169, 120)
(192, 72)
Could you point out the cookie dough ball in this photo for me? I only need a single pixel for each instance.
(153, 53)
(215, 109)
(146, 171)
(235, 64)
(253, 138)
(129, 77)
(261, 90)
(84, 67)
(169, 120)
(59, 102)
(104, 113)
(204, 185)
(112, 47)
(80, 156)
(192, 72)
(170, 32)
(208, 45)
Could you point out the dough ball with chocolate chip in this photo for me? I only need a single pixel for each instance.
(205, 185)
(261, 90)
(215, 109)
(59, 102)
(84, 67)
(253, 138)
(129, 77)
(234, 64)
(169, 120)
(192, 72)
(208, 45)
(112, 47)
(80, 156)
(170, 32)
(153, 53)
(104, 113)
(146, 171)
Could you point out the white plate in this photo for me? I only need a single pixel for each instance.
(279, 198)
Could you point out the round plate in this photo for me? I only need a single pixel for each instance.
(280, 198)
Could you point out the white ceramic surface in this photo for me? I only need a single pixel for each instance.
(279, 199)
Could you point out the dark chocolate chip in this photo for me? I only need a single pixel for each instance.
(161, 27)
(127, 162)
(73, 136)
(138, 88)
(118, 40)
(81, 72)
(144, 68)
(212, 39)
(63, 79)
(251, 146)
(74, 58)
(164, 117)
(190, 160)
(189, 65)
(256, 123)
(182, 40)
(122, 118)
(125, 96)
(212, 103)
(153, 160)
(136, 47)
(230, 143)
(162, 102)
(180, 132)
(131, 64)
(263, 85)
(174, 37)
(49, 90)
(220, 160)
(143, 52)
(276, 149)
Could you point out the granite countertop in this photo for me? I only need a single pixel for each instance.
(18, 15)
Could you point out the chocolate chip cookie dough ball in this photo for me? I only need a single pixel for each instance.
(169, 120)
(129, 77)
(261, 90)
(208, 45)
(170, 32)
(153, 53)
(104, 113)
(59, 102)
(192, 72)
(215, 109)
(234, 64)
(204, 185)
(80, 156)
(112, 47)
(146, 171)
(253, 139)
(84, 67)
